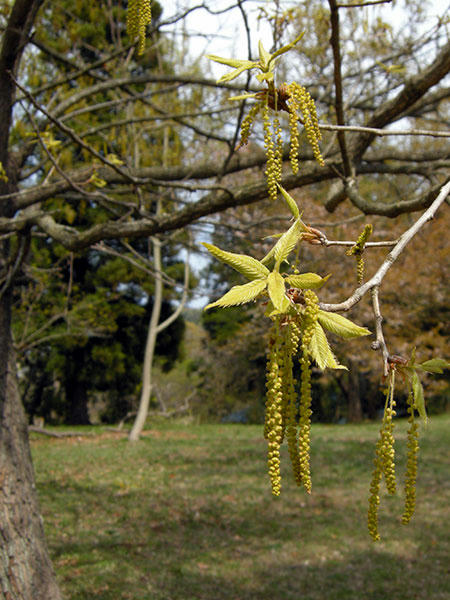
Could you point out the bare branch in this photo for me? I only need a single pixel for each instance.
(339, 104)
(406, 237)
(379, 343)
(384, 132)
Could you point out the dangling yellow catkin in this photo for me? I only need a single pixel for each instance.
(139, 15)
(274, 152)
(293, 332)
(411, 464)
(273, 428)
(300, 99)
(384, 461)
(247, 124)
(309, 319)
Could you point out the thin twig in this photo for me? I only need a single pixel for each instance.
(339, 104)
(360, 4)
(383, 132)
(379, 343)
(392, 256)
(326, 242)
(76, 138)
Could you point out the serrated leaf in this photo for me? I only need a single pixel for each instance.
(290, 202)
(236, 63)
(242, 97)
(288, 241)
(340, 325)
(288, 46)
(277, 291)
(264, 56)
(307, 281)
(239, 66)
(419, 399)
(240, 294)
(261, 77)
(319, 349)
(230, 76)
(246, 265)
(434, 365)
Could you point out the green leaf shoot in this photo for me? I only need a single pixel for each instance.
(288, 241)
(242, 97)
(288, 47)
(240, 294)
(307, 281)
(239, 66)
(290, 202)
(319, 349)
(419, 399)
(277, 291)
(435, 365)
(341, 326)
(264, 56)
(246, 265)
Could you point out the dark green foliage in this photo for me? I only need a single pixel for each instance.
(96, 342)
(223, 324)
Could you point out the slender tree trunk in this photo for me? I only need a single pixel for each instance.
(152, 334)
(26, 571)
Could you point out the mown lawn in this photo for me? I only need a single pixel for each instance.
(187, 514)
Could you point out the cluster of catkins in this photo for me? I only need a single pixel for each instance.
(295, 100)
(288, 334)
(384, 463)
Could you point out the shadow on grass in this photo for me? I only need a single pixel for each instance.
(184, 548)
(202, 525)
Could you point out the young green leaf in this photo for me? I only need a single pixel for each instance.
(240, 66)
(261, 77)
(264, 56)
(287, 47)
(340, 325)
(435, 365)
(236, 63)
(307, 281)
(240, 294)
(320, 350)
(277, 291)
(242, 97)
(287, 241)
(230, 76)
(419, 400)
(246, 265)
(290, 202)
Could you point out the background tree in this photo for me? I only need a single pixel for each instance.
(70, 87)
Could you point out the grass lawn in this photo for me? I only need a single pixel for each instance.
(187, 514)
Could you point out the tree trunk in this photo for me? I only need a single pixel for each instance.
(26, 572)
(76, 390)
(152, 334)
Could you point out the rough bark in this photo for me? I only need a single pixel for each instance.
(26, 571)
